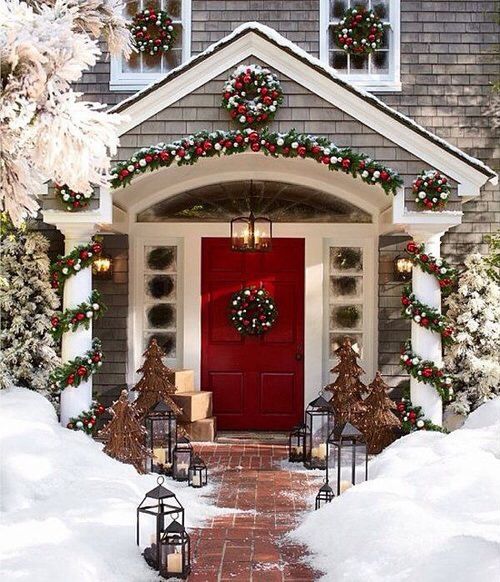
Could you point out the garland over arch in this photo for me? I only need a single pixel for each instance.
(205, 144)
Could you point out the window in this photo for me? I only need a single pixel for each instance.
(141, 69)
(378, 71)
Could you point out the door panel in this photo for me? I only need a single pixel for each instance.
(257, 381)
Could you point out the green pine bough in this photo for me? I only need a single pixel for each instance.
(76, 371)
(86, 421)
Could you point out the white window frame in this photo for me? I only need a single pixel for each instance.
(370, 82)
(131, 81)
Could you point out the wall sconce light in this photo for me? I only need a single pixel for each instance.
(402, 268)
(102, 268)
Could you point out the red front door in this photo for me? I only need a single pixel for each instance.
(257, 381)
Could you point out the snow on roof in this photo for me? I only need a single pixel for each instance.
(271, 35)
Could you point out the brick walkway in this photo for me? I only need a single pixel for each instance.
(247, 547)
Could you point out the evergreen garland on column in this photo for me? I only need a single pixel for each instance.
(28, 355)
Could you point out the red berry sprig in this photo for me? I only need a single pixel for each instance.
(431, 190)
(76, 371)
(289, 145)
(86, 421)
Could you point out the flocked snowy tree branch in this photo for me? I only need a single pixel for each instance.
(46, 131)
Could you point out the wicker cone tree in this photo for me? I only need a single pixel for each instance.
(125, 435)
(347, 389)
(379, 422)
(154, 386)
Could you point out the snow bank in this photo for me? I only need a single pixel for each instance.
(68, 509)
(430, 512)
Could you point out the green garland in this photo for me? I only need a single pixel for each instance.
(205, 144)
(429, 318)
(80, 316)
(413, 419)
(426, 316)
(79, 258)
(86, 421)
(76, 371)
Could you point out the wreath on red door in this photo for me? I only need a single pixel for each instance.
(253, 311)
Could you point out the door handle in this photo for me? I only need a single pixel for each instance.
(299, 353)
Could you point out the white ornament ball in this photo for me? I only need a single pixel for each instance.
(421, 195)
(420, 423)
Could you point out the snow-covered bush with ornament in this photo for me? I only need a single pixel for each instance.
(474, 358)
(252, 95)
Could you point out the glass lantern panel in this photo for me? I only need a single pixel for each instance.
(352, 463)
(173, 555)
(147, 540)
(182, 462)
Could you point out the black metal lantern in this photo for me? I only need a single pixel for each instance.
(402, 268)
(175, 552)
(159, 507)
(297, 443)
(324, 496)
(102, 267)
(347, 457)
(197, 474)
(319, 424)
(161, 437)
(182, 455)
(251, 233)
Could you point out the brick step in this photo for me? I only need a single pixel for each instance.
(195, 405)
(183, 380)
(204, 430)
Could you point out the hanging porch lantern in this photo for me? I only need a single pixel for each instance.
(324, 496)
(319, 424)
(347, 457)
(197, 474)
(102, 268)
(159, 507)
(161, 437)
(175, 552)
(297, 443)
(182, 455)
(251, 233)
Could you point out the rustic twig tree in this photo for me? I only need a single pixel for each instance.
(125, 435)
(380, 424)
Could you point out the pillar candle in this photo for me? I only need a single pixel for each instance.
(174, 563)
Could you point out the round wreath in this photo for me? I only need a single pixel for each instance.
(72, 200)
(152, 31)
(431, 190)
(252, 95)
(360, 31)
(253, 311)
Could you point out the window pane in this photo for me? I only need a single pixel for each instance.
(174, 8)
(172, 59)
(359, 63)
(133, 64)
(131, 8)
(381, 9)
(380, 61)
(356, 3)
(386, 38)
(151, 63)
(346, 317)
(337, 9)
(338, 60)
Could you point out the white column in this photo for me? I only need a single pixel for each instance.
(425, 343)
(77, 289)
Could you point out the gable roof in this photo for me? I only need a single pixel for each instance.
(257, 40)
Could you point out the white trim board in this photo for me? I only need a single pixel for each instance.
(306, 71)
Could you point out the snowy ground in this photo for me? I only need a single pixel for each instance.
(68, 510)
(430, 512)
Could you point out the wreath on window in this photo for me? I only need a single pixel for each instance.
(252, 95)
(431, 190)
(152, 31)
(253, 311)
(360, 31)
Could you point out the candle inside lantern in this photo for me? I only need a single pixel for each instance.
(182, 469)
(322, 451)
(196, 480)
(159, 454)
(345, 485)
(174, 563)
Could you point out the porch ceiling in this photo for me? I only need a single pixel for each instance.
(152, 188)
